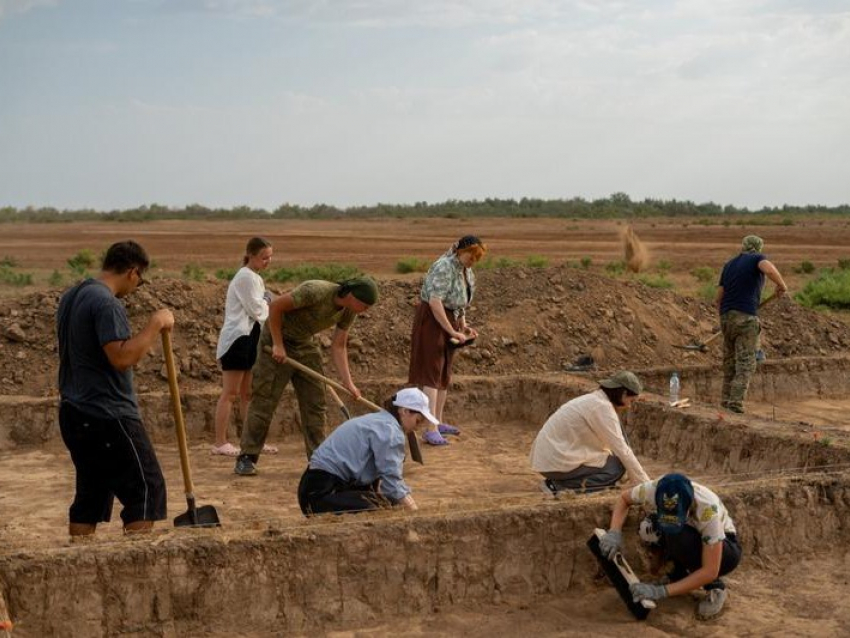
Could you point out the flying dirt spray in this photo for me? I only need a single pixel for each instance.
(636, 254)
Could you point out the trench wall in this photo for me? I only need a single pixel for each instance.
(26, 421)
(363, 570)
(724, 446)
(784, 379)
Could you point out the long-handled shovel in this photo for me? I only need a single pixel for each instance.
(703, 347)
(415, 452)
(204, 516)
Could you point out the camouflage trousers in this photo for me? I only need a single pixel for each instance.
(740, 343)
(270, 380)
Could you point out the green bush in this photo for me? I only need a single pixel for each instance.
(707, 291)
(8, 262)
(844, 264)
(615, 267)
(226, 274)
(412, 264)
(55, 278)
(805, 268)
(501, 262)
(193, 272)
(12, 278)
(304, 272)
(537, 261)
(703, 273)
(831, 289)
(585, 262)
(655, 281)
(663, 266)
(80, 262)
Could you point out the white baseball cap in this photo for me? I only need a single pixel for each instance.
(414, 399)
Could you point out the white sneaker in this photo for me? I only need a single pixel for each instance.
(711, 606)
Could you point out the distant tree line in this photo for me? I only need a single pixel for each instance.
(618, 205)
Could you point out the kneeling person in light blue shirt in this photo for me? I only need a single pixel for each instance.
(360, 463)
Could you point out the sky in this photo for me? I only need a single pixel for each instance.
(111, 104)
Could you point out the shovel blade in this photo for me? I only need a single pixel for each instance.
(204, 516)
(698, 347)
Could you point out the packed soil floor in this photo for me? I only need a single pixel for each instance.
(531, 320)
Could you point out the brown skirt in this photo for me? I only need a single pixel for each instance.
(430, 354)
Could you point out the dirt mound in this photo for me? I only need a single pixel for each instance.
(530, 320)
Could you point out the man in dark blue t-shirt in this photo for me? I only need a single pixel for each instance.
(738, 295)
(98, 414)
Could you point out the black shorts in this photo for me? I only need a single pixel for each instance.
(243, 353)
(113, 457)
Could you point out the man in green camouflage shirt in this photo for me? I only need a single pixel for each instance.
(294, 319)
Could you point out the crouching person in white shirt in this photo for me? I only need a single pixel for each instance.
(582, 446)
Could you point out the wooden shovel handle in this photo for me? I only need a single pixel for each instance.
(415, 452)
(179, 425)
(320, 377)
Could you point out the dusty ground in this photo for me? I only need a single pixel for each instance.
(376, 245)
(531, 320)
(832, 413)
(477, 470)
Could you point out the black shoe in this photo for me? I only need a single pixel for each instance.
(582, 364)
(245, 465)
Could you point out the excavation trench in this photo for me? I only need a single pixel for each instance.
(485, 534)
(325, 575)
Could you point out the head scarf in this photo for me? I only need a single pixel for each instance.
(467, 241)
(363, 288)
(752, 244)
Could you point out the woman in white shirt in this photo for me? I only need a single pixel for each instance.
(582, 446)
(245, 311)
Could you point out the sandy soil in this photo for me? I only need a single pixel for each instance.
(376, 245)
(476, 471)
(822, 414)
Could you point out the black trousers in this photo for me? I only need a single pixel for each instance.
(588, 479)
(685, 551)
(321, 492)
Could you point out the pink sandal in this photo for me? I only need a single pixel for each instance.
(269, 449)
(228, 449)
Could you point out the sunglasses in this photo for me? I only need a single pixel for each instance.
(142, 280)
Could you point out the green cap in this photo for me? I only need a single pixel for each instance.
(363, 288)
(623, 379)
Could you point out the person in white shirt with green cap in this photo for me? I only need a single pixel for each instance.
(582, 446)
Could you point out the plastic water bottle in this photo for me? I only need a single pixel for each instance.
(674, 387)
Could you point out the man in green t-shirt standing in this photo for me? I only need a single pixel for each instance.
(294, 319)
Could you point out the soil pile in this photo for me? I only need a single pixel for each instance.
(530, 320)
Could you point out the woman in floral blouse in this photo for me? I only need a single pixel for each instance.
(440, 326)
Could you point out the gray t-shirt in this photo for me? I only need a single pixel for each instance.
(93, 318)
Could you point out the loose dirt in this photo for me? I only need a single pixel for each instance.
(530, 320)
